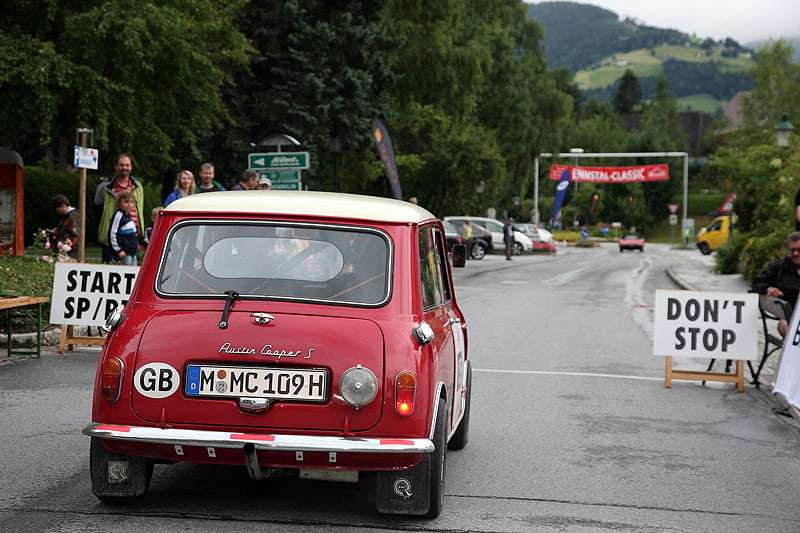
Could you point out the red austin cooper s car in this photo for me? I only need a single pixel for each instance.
(292, 333)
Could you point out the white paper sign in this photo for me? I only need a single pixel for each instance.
(86, 158)
(788, 380)
(85, 294)
(721, 325)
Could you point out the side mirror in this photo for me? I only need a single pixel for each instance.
(459, 255)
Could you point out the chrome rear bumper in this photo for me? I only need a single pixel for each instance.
(277, 442)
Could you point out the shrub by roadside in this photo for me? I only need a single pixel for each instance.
(29, 276)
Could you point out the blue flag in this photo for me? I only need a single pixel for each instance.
(561, 191)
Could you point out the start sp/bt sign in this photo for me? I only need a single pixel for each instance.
(85, 294)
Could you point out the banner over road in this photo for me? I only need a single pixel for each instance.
(612, 174)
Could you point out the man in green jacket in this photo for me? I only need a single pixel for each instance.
(122, 181)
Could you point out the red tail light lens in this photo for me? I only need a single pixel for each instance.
(405, 391)
(111, 379)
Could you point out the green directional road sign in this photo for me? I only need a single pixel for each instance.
(279, 160)
(277, 176)
(286, 186)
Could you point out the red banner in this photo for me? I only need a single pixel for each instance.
(612, 174)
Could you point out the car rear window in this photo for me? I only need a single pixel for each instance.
(331, 264)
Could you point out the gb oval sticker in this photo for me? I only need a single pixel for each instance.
(156, 380)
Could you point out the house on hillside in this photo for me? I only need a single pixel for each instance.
(733, 110)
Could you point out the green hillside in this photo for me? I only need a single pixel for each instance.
(703, 74)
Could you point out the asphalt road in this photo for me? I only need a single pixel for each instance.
(572, 430)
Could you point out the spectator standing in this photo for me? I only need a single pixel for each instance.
(467, 235)
(508, 237)
(184, 186)
(249, 181)
(781, 278)
(264, 184)
(207, 181)
(123, 180)
(68, 229)
(122, 234)
(149, 230)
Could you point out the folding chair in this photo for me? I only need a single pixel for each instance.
(772, 310)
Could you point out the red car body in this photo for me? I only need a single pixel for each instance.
(258, 334)
(631, 241)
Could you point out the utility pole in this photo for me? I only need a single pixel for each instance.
(83, 143)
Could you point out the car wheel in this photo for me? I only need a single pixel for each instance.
(621, 249)
(478, 251)
(705, 248)
(118, 478)
(461, 436)
(518, 249)
(438, 462)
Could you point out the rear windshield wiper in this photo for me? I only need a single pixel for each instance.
(230, 296)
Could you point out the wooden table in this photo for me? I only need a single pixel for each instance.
(9, 305)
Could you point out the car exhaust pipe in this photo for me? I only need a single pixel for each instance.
(254, 469)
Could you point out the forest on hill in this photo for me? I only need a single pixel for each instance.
(598, 47)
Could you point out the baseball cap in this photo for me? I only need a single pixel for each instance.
(264, 181)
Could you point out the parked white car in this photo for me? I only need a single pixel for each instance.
(533, 231)
(522, 242)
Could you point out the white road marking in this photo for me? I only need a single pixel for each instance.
(580, 374)
(565, 278)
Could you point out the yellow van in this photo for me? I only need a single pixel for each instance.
(715, 234)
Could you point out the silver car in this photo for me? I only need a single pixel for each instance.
(522, 243)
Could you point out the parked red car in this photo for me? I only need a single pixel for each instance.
(291, 333)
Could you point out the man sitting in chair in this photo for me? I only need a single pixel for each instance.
(781, 279)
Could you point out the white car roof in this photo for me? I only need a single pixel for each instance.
(302, 203)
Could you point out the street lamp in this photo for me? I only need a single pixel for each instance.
(783, 131)
(336, 150)
(478, 192)
(575, 151)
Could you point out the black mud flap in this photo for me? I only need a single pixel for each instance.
(405, 491)
(116, 477)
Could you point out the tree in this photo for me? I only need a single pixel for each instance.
(764, 176)
(777, 79)
(473, 101)
(629, 94)
(320, 74)
(146, 76)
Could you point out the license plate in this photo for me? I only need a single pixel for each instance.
(290, 384)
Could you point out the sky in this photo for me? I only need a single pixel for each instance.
(742, 20)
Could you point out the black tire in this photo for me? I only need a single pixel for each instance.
(461, 436)
(438, 462)
(704, 248)
(621, 249)
(517, 248)
(478, 251)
